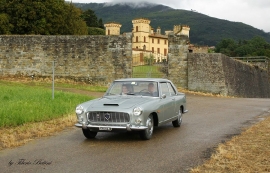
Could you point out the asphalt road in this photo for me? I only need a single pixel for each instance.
(210, 121)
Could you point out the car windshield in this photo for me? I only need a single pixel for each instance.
(143, 88)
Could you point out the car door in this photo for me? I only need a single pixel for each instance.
(168, 103)
(174, 98)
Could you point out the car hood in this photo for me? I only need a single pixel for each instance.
(121, 102)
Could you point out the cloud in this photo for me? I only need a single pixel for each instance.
(171, 3)
(136, 4)
(251, 12)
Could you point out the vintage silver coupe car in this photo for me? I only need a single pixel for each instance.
(134, 104)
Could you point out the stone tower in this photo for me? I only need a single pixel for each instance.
(181, 30)
(140, 31)
(112, 28)
(158, 30)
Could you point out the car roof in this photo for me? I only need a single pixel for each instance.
(143, 79)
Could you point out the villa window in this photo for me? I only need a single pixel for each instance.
(137, 39)
(153, 40)
(158, 41)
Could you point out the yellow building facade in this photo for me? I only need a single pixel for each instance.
(148, 43)
(145, 41)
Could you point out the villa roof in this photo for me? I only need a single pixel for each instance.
(155, 35)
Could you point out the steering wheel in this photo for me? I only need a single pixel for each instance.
(146, 92)
(143, 90)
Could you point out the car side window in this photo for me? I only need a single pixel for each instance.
(172, 91)
(164, 89)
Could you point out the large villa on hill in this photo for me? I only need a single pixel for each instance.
(145, 41)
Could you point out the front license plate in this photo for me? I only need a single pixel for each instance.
(105, 128)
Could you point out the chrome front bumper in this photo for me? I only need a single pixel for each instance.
(128, 127)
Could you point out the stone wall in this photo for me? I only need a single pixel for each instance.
(177, 60)
(260, 61)
(98, 60)
(245, 80)
(198, 49)
(92, 59)
(219, 74)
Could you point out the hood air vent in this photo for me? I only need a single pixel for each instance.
(110, 104)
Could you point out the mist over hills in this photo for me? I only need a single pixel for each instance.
(204, 30)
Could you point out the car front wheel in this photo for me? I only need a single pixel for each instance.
(178, 121)
(89, 134)
(147, 133)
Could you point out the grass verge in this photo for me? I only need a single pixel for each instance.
(27, 112)
(60, 83)
(147, 71)
(245, 153)
(22, 104)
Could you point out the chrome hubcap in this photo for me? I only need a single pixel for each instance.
(180, 116)
(150, 126)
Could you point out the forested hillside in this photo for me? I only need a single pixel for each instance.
(205, 30)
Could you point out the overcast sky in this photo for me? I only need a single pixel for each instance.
(252, 12)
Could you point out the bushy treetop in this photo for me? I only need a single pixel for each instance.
(42, 17)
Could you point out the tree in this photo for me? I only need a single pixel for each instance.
(148, 60)
(243, 50)
(227, 47)
(95, 31)
(45, 17)
(5, 26)
(100, 24)
(257, 46)
(95, 26)
(76, 24)
(90, 18)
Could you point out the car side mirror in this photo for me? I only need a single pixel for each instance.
(163, 96)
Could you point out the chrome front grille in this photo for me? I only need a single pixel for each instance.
(113, 117)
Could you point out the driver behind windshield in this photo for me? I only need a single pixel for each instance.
(124, 89)
(151, 89)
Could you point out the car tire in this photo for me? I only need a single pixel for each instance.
(89, 134)
(178, 121)
(147, 133)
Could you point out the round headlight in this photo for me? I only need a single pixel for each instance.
(137, 111)
(79, 110)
